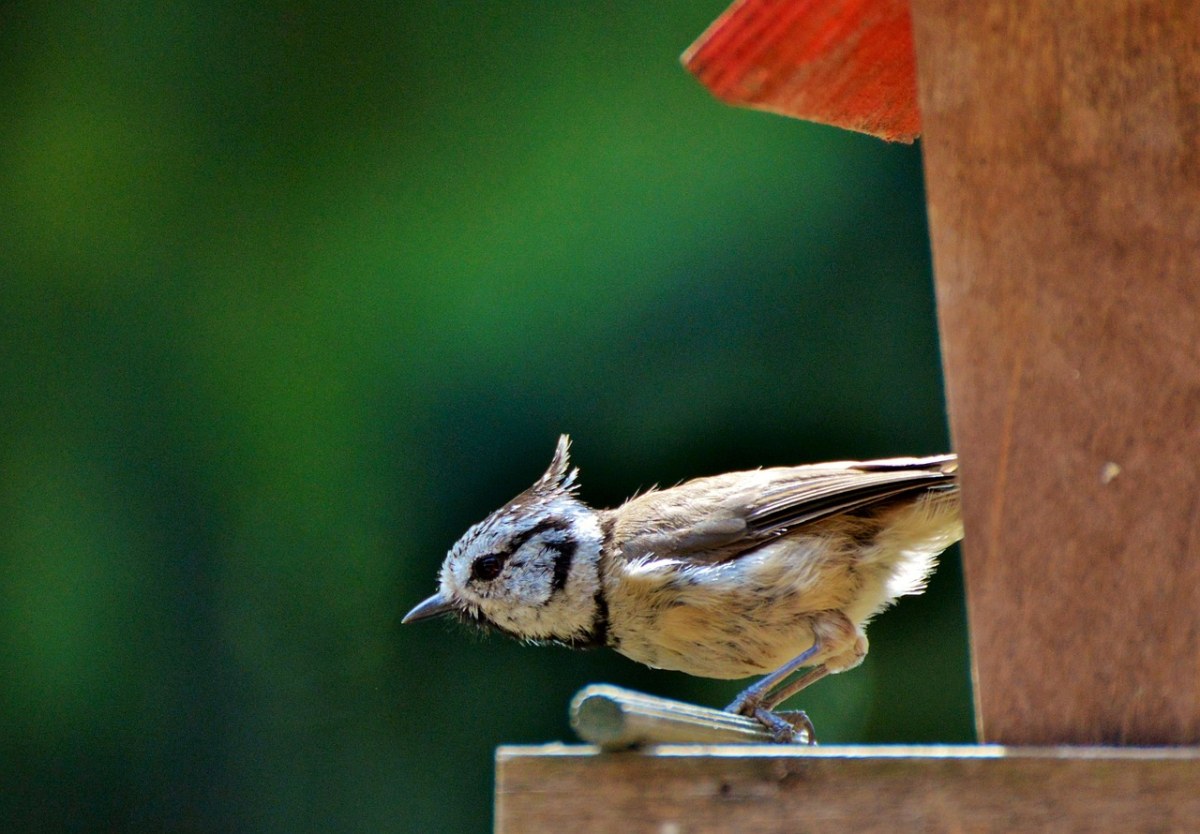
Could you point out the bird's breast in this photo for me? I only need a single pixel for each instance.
(738, 618)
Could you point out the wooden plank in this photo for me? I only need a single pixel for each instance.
(1062, 153)
(757, 788)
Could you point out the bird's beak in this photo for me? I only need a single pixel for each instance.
(436, 604)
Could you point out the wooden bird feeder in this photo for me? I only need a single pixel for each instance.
(1061, 143)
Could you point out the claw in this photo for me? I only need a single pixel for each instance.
(801, 723)
(781, 731)
(787, 728)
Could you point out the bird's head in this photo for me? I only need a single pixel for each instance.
(531, 568)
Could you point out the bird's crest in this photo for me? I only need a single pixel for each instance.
(558, 477)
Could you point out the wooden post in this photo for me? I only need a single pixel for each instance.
(1062, 151)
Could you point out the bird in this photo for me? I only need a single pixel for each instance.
(759, 572)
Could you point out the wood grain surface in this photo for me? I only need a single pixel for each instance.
(1062, 152)
(747, 789)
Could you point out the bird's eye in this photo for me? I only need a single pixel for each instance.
(486, 568)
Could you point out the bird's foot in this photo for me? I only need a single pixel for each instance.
(793, 727)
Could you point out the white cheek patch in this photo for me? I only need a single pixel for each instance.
(526, 579)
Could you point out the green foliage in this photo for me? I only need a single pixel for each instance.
(292, 294)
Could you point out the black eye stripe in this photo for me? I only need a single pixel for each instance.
(487, 567)
(564, 555)
(541, 527)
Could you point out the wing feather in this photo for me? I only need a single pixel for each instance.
(719, 518)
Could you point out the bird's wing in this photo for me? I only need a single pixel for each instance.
(718, 518)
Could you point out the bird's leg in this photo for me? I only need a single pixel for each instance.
(778, 696)
(757, 700)
(760, 699)
(755, 695)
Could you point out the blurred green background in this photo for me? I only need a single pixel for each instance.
(293, 293)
